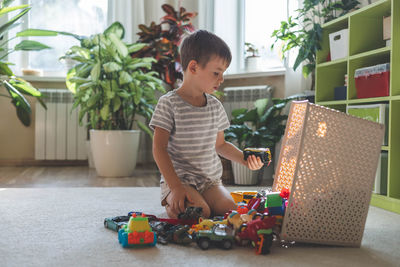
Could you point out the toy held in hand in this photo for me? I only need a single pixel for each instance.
(263, 153)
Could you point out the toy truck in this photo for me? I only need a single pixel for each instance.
(137, 233)
(220, 234)
(263, 153)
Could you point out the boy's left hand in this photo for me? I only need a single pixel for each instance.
(254, 163)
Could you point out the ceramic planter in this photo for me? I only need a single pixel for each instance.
(114, 152)
(243, 175)
(252, 63)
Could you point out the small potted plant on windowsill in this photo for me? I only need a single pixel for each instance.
(261, 127)
(111, 88)
(252, 59)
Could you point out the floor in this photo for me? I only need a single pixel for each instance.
(75, 176)
(146, 175)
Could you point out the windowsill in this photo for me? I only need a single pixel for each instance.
(262, 73)
(237, 75)
(32, 78)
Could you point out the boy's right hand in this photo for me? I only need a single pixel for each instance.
(179, 196)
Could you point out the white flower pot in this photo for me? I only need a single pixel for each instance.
(90, 155)
(114, 152)
(243, 175)
(252, 64)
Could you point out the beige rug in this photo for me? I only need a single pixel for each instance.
(64, 227)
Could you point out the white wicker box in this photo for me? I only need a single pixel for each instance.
(328, 160)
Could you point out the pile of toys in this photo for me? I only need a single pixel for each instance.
(256, 221)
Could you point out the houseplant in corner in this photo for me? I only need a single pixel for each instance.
(111, 88)
(304, 31)
(261, 127)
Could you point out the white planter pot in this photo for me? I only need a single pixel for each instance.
(114, 152)
(252, 64)
(243, 175)
(90, 155)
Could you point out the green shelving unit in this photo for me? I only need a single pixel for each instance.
(366, 48)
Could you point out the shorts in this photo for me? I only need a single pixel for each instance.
(200, 186)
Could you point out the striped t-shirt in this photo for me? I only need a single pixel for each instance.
(193, 134)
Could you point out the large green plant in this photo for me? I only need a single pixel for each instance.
(108, 84)
(304, 31)
(18, 88)
(262, 126)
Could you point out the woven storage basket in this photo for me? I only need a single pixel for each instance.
(328, 161)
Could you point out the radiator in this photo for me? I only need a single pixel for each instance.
(58, 135)
(244, 97)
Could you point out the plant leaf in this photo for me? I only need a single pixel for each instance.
(119, 45)
(145, 128)
(111, 67)
(22, 106)
(25, 87)
(95, 72)
(10, 22)
(117, 29)
(30, 45)
(6, 10)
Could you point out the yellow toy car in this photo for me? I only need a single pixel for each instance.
(243, 196)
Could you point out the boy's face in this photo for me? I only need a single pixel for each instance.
(210, 77)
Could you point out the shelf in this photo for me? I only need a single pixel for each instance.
(369, 100)
(372, 9)
(333, 63)
(332, 103)
(366, 48)
(387, 203)
(373, 53)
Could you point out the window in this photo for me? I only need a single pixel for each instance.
(262, 17)
(82, 17)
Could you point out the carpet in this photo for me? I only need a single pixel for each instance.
(64, 227)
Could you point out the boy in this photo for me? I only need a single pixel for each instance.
(189, 126)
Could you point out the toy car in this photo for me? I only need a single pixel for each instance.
(167, 232)
(219, 233)
(263, 153)
(243, 196)
(137, 233)
(115, 223)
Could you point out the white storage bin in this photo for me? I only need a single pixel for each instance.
(339, 44)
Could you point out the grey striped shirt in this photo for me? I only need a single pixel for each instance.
(193, 133)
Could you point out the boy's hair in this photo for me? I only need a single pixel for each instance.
(201, 45)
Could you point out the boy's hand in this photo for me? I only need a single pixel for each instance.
(254, 163)
(179, 196)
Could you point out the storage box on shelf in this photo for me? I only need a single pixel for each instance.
(339, 44)
(367, 47)
(372, 81)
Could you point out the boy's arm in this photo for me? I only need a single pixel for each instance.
(164, 163)
(231, 152)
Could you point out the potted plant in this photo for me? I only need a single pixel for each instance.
(252, 59)
(261, 127)
(304, 31)
(15, 86)
(112, 89)
(163, 42)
